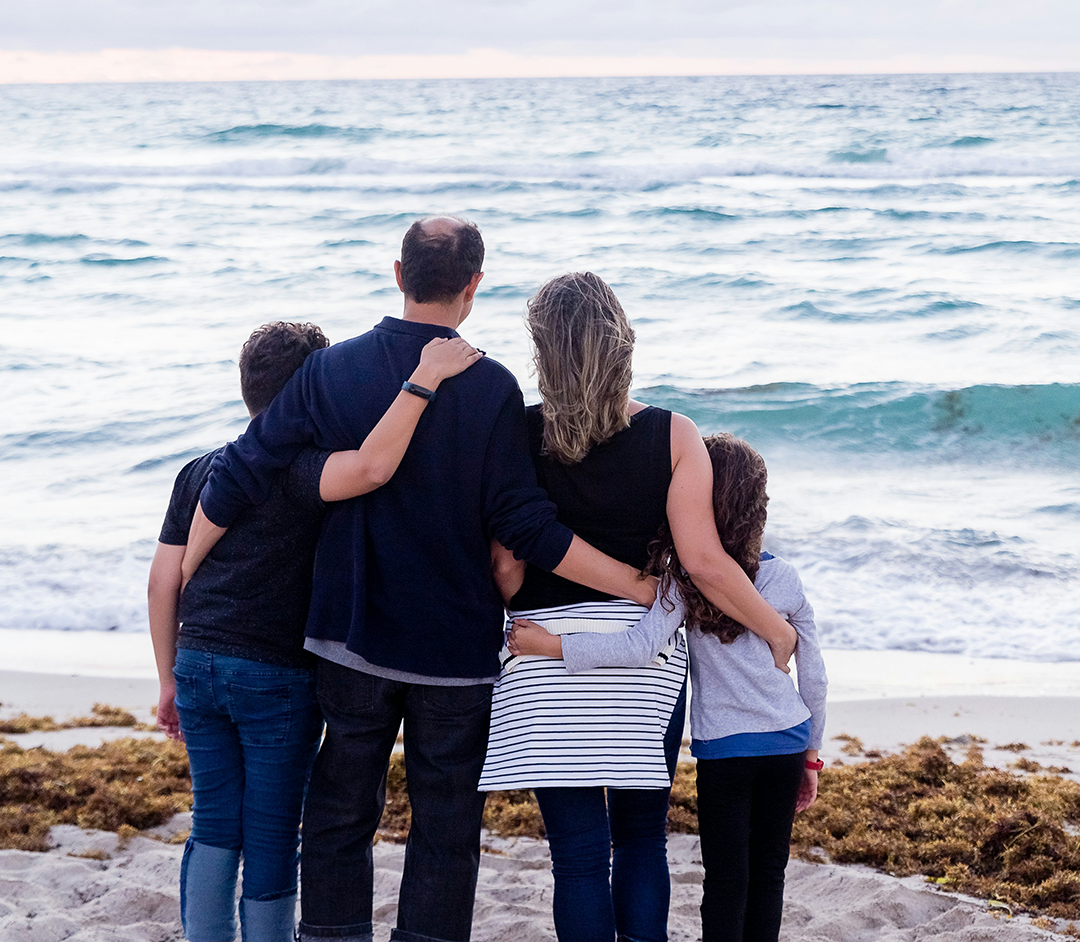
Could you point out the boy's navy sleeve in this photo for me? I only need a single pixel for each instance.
(517, 510)
(241, 475)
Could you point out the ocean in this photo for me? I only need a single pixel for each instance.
(873, 279)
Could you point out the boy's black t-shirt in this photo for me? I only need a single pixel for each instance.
(250, 596)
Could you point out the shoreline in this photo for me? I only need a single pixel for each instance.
(853, 674)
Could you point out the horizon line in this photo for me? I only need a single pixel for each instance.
(130, 66)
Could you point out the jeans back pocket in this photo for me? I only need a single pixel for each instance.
(188, 701)
(263, 714)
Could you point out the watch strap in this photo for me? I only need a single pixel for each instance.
(421, 391)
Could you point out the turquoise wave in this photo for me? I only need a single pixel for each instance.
(971, 141)
(259, 132)
(892, 417)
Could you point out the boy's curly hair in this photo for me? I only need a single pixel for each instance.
(270, 356)
(739, 507)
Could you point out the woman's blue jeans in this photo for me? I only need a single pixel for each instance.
(251, 731)
(609, 855)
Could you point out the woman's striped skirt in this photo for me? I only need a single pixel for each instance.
(598, 727)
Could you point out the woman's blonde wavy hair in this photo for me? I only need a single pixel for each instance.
(583, 347)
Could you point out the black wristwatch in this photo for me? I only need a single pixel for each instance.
(428, 394)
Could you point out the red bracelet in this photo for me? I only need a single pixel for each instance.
(815, 766)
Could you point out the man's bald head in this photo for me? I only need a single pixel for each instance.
(439, 256)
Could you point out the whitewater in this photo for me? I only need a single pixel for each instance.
(872, 279)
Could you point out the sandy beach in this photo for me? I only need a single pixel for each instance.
(130, 894)
(90, 887)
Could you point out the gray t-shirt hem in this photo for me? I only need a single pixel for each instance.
(337, 652)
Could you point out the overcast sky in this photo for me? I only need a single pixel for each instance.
(1036, 33)
(600, 27)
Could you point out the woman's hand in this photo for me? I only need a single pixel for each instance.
(442, 358)
(807, 790)
(527, 637)
(781, 654)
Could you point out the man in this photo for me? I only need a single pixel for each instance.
(405, 617)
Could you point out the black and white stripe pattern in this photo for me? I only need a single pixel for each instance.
(599, 727)
(596, 617)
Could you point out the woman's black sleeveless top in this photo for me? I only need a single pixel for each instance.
(615, 499)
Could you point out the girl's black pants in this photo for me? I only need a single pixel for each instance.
(746, 806)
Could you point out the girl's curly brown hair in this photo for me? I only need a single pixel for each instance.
(739, 507)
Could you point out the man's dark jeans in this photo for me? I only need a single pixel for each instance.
(445, 736)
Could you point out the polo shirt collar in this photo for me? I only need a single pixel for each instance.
(417, 329)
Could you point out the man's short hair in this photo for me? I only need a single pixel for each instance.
(271, 355)
(437, 266)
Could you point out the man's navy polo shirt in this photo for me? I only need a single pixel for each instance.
(403, 574)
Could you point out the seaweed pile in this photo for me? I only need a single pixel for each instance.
(123, 785)
(1008, 837)
(101, 715)
(982, 831)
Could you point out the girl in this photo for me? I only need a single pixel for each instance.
(755, 736)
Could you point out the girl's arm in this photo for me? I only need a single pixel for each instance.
(163, 596)
(813, 685)
(352, 473)
(813, 682)
(507, 571)
(693, 529)
(637, 646)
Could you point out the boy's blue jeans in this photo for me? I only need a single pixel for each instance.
(251, 731)
(609, 855)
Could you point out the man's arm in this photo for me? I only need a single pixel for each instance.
(242, 474)
(163, 597)
(347, 474)
(585, 564)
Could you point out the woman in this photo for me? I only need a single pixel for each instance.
(617, 470)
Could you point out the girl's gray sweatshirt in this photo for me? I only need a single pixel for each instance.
(736, 687)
